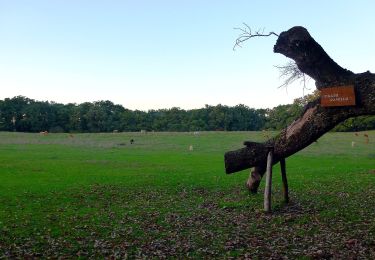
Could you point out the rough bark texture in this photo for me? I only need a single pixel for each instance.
(316, 120)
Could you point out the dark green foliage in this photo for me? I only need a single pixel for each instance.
(356, 124)
(282, 115)
(104, 116)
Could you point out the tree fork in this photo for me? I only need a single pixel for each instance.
(310, 57)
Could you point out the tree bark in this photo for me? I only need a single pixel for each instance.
(316, 120)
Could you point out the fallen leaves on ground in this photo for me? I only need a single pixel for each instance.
(109, 221)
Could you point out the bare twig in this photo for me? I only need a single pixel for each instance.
(291, 72)
(247, 34)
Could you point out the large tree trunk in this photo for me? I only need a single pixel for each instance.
(316, 120)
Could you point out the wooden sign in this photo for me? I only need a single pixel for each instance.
(338, 96)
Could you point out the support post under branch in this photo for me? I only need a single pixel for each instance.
(285, 181)
(268, 188)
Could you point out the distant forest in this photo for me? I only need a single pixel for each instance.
(23, 114)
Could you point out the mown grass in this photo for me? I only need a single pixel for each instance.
(96, 195)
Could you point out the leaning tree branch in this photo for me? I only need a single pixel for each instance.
(246, 34)
(315, 120)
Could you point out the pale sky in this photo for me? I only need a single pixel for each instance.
(162, 54)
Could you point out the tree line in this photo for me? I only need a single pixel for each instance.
(23, 114)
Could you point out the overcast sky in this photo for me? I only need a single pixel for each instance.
(162, 54)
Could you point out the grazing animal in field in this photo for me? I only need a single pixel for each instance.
(191, 148)
(71, 135)
(367, 139)
(44, 133)
(131, 141)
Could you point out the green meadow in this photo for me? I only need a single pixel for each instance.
(98, 196)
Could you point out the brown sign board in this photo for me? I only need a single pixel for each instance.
(337, 96)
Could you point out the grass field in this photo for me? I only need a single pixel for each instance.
(96, 195)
